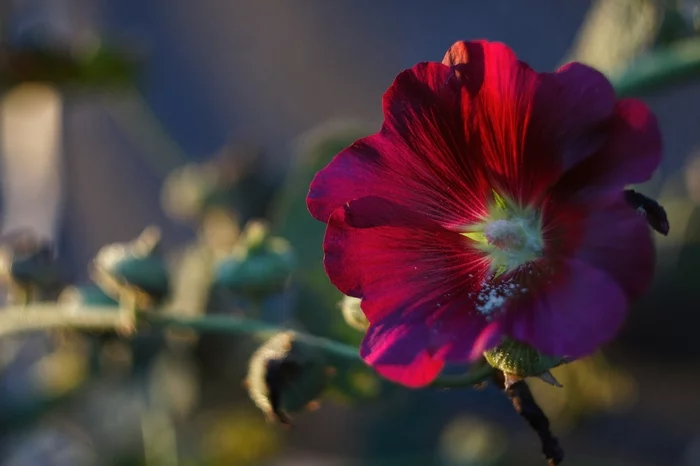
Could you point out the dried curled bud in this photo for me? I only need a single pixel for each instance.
(133, 268)
(352, 313)
(285, 376)
(259, 264)
(652, 210)
(518, 360)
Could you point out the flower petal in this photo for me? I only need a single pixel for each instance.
(420, 159)
(463, 337)
(574, 311)
(531, 127)
(398, 351)
(630, 154)
(617, 240)
(571, 108)
(399, 261)
(499, 97)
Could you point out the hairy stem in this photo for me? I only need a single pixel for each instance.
(36, 317)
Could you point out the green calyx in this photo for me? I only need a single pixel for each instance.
(519, 360)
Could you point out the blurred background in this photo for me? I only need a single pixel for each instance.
(208, 120)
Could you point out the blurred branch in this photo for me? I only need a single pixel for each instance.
(19, 319)
(660, 67)
(36, 317)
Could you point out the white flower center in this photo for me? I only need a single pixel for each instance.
(510, 235)
(504, 234)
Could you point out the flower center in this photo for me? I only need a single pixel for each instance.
(505, 234)
(510, 235)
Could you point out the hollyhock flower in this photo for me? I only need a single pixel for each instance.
(490, 205)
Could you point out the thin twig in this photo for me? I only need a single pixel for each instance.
(21, 319)
(524, 403)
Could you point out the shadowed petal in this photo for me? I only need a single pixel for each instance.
(463, 337)
(572, 107)
(573, 312)
(630, 154)
(617, 241)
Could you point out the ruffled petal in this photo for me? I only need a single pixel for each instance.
(617, 240)
(397, 350)
(420, 159)
(574, 310)
(571, 110)
(530, 127)
(601, 228)
(630, 154)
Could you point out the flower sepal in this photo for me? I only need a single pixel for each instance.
(519, 360)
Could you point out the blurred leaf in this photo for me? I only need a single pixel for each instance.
(96, 67)
(590, 386)
(661, 67)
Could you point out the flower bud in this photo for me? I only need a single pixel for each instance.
(134, 266)
(259, 264)
(518, 360)
(286, 375)
(352, 313)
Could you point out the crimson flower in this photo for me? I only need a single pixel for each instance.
(490, 205)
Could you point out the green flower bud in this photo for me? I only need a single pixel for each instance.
(259, 264)
(134, 267)
(285, 376)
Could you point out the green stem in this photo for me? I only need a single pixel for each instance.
(36, 317)
(665, 65)
(476, 376)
